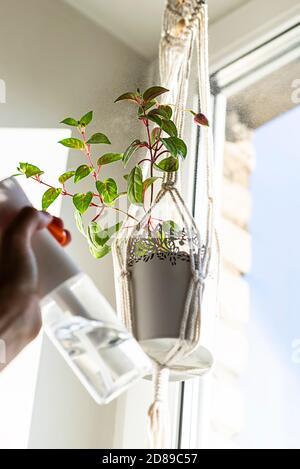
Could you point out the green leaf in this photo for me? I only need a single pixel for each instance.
(126, 176)
(171, 227)
(82, 172)
(150, 104)
(154, 118)
(96, 235)
(66, 176)
(108, 190)
(135, 186)
(175, 146)
(155, 135)
(72, 143)
(98, 138)
(82, 201)
(100, 252)
(70, 121)
(133, 147)
(79, 222)
(99, 237)
(166, 125)
(49, 197)
(169, 165)
(128, 96)
(146, 107)
(86, 119)
(165, 111)
(29, 170)
(148, 183)
(109, 158)
(181, 147)
(162, 111)
(113, 229)
(153, 93)
(169, 127)
(170, 145)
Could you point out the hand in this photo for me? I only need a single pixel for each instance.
(20, 317)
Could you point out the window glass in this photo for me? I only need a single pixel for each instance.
(261, 228)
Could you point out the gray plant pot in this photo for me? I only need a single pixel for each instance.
(159, 292)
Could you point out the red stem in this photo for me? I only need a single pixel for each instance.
(157, 156)
(151, 153)
(145, 159)
(98, 214)
(88, 154)
(65, 193)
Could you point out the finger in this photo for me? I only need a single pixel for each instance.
(27, 222)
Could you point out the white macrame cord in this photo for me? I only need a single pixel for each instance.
(184, 21)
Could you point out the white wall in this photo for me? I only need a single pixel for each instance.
(57, 63)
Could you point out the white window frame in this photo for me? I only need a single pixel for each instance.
(272, 48)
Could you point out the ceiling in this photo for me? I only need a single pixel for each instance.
(138, 22)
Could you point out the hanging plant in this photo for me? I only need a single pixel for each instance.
(161, 149)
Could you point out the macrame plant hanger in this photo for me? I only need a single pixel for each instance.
(185, 22)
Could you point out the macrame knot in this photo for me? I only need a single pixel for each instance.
(180, 27)
(199, 278)
(158, 419)
(161, 379)
(168, 185)
(124, 273)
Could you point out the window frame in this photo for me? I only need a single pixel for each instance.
(258, 62)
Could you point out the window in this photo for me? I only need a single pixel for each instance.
(272, 409)
(249, 401)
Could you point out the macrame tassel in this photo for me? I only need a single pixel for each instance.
(158, 413)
